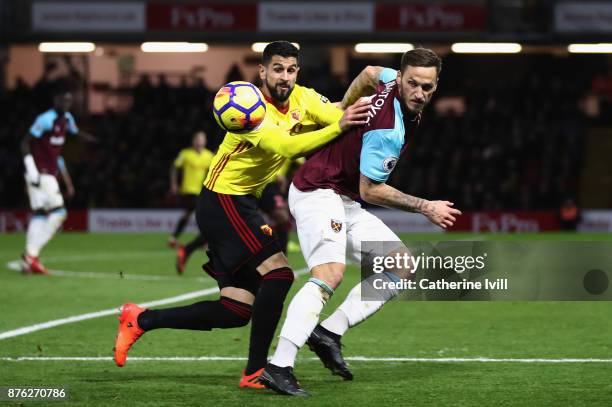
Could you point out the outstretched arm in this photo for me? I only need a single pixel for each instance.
(440, 213)
(87, 137)
(280, 142)
(363, 85)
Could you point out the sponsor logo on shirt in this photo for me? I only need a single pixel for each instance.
(379, 101)
(56, 140)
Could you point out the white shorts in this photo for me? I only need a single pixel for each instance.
(331, 227)
(47, 195)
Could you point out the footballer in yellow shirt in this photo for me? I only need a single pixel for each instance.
(252, 273)
(295, 118)
(193, 163)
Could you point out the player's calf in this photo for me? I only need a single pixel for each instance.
(204, 316)
(201, 316)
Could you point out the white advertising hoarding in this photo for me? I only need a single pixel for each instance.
(88, 17)
(587, 17)
(136, 220)
(316, 17)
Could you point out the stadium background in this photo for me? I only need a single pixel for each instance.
(514, 132)
(509, 138)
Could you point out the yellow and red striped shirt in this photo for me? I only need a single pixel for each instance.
(241, 168)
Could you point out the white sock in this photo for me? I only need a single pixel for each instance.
(36, 227)
(41, 230)
(54, 221)
(337, 322)
(285, 354)
(302, 317)
(354, 310)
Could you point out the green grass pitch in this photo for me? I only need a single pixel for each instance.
(93, 266)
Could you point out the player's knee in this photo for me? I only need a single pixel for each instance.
(56, 217)
(330, 273)
(274, 262)
(237, 313)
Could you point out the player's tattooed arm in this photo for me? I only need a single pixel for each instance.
(363, 85)
(440, 213)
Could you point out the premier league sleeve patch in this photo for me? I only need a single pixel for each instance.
(389, 164)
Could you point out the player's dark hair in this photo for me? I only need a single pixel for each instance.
(197, 133)
(421, 57)
(284, 49)
(59, 91)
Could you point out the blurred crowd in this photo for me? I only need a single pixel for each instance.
(517, 145)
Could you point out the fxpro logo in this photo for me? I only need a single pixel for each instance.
(379, 101)
(503, 223)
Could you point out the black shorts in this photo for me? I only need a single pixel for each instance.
(188, 201)
(239, 239)
(271, 198)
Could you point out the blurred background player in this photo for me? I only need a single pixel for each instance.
(332, 225)
(41, 150)
(193, 163)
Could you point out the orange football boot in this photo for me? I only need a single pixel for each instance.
(128, 333)
(172, 243)
(250, 381)
(181, 257)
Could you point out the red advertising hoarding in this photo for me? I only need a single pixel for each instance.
(430, 17)
(506, 222)
(210, 17)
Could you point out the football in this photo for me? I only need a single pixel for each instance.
(239, 107)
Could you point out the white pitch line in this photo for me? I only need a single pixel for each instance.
(105, 256)
(15, 265)
(350, 359)
(112, 311)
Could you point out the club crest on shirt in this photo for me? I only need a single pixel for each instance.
(266, 229)
(295, 114)
(336, 226)
(389, 164)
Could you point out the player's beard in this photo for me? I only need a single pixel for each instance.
(276, 95)
(414, 111)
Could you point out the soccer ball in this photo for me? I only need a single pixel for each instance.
(239, 107)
